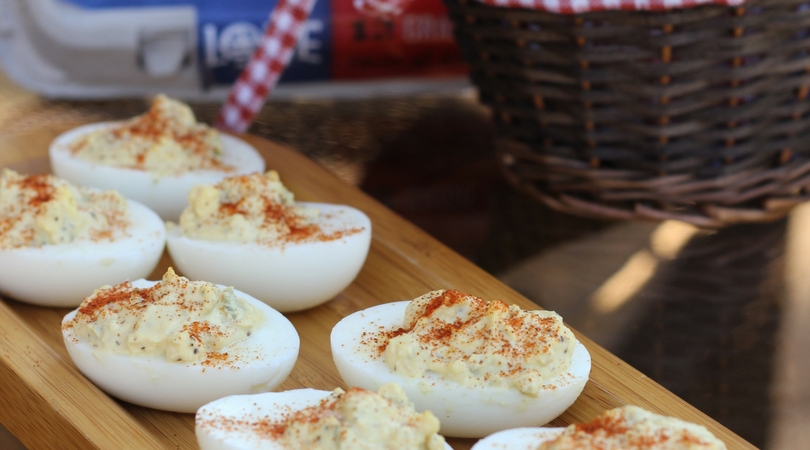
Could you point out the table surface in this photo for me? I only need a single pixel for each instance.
(46, 399)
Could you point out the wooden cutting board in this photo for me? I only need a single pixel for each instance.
(47, 403)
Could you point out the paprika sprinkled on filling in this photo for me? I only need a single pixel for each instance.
(41, 210)
(633, 428)
(166, 140)
(356, 419)
(476, 342)
(187, 321)
(252, 208)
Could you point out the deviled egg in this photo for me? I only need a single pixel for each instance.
(625, 428)
(479, 366)
(314, 419)
(528, 438)
(177, 345)
(155, 158)
(59, 242)
(248, 231)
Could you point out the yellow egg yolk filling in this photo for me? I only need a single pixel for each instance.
(475, 342)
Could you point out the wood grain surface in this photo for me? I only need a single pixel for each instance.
(47, 403)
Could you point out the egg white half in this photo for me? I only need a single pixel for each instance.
(273, 406)
(290, 276)
(165, 194)
(518, 439)
(258, 363)
(63, 275)
(464, 411)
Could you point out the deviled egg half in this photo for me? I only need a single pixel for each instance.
(176, 345)
(247, 231)
(528, 438)
(309, 418)
(59, 242)
(479, 366)
(155, 158)
(625, 428)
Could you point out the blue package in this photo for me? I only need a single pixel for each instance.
(228, 33)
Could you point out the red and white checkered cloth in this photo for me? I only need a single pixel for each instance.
(581, 6)
(248, 94)
(265, 67)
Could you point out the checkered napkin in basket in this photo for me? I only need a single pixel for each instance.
(248, 94)
(582, 6)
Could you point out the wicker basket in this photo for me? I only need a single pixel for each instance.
(698, 114)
